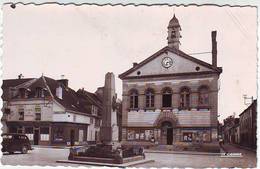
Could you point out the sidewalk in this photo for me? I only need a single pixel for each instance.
(242, 147)
(57, 147)
(182, 152)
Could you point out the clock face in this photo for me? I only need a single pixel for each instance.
(167, 62)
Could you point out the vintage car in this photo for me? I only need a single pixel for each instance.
(15, 142)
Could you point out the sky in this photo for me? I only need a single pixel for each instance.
(84, 42)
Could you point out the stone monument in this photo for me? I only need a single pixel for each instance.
(109, 150)
(109, 127)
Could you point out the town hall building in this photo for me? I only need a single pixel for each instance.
(171, 97)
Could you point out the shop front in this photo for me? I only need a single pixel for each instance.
(47, 133)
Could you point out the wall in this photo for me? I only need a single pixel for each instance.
(29, 110)
(70, 117)
(184, 118)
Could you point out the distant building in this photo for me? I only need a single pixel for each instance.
(248, 125)
(171, 97)
(229, 129)
(49, 112)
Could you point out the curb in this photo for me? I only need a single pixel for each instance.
(106, 164)
(185, 153)
(55, 147)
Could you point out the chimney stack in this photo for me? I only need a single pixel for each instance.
(214, 48)
(135, 64)
(64, 82)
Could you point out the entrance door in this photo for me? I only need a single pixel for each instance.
(167, 133)
(36, 137)
(72, 135)
(169, 136)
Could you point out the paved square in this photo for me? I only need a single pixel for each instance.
(49, 156)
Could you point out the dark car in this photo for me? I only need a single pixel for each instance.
(15, 142)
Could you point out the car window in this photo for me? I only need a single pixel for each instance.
(7, 136)
(16, 137)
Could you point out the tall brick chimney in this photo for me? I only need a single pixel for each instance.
(214, 48)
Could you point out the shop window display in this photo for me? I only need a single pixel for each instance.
(187, 137)
(58, 134)
(130, 134)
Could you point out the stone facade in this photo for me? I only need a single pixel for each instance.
(170, 97)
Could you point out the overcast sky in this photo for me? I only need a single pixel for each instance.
(85, 42)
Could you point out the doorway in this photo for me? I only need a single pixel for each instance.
(167, 133)
(169, 136)
(36, 137)
(72, 135)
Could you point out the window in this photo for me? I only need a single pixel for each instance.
(142, 134)
(187, 137)
(185, 98)
(22, 93)
(28, 130)
(133, 99)
(94, 110)
(130, 134)
(37, 116)
(12, 130)
(173, 35)
(21, 115)
(58, 134)
(203, 96)
(167, 97)
(91, 120)
(39, 92)
(149, 95)
(97, 123)
(7, 111)
(44, 133)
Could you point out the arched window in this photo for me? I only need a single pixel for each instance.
(185, 98)
(203, 96)
(133, 99)
(149, 98)
(167, 97)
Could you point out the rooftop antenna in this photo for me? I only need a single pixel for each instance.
(248, 100)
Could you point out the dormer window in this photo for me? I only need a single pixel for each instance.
(22, 93)
(94, 110)
(39, 92)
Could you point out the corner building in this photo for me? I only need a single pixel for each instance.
(171, 97)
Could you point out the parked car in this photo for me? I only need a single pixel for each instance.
(15, 142)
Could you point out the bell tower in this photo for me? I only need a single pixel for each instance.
(174, 35)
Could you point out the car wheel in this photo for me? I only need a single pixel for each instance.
(24, 149)
(10, 152)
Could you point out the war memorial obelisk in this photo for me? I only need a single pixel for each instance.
(109, 127)
(109, 151)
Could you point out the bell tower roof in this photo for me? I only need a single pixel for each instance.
(174, 22)
(174, 35)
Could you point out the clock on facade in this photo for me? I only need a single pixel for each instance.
(167, 62)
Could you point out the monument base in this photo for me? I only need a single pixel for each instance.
(106, 154)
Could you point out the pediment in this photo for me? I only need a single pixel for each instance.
(180, 63)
